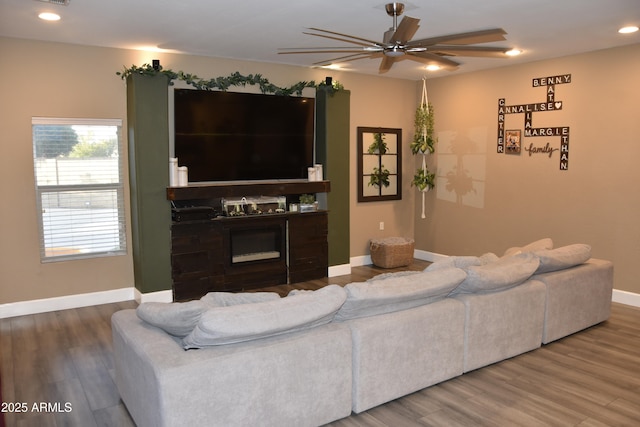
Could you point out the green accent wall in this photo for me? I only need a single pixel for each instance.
(148, 137)
(332, 151)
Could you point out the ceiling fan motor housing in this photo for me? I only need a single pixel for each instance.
(394, 9)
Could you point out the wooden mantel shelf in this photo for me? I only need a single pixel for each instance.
(247, 188)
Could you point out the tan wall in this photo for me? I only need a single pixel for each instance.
(59, 80)
(487, 201)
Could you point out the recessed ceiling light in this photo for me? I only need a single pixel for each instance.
(628, 30)
(513, 52)
(48, 16)
(432, 67)
(332, 67)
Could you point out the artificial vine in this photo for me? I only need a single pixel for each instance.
(224, 83)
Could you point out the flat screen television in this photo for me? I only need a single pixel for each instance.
(231, 136)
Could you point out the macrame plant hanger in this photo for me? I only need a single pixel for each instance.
(424, 103)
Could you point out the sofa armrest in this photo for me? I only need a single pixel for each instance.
(301, 378)
(576, 298)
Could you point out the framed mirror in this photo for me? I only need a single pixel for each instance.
(379, 164)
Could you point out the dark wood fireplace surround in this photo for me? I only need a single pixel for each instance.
(201, 245)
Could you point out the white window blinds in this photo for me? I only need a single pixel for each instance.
(79, 187)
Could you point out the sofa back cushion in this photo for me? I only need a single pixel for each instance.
(504, 273)
(461, 261)
(225, 299)
(563, 257)
(175, 318)
(246, 322)
(398, 293)
(538, 245)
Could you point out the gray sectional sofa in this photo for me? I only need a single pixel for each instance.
(317, 356)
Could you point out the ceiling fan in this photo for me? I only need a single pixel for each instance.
(397, 44)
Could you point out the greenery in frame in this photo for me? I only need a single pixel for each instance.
(379, 177)
(379, 145)
(224, 83)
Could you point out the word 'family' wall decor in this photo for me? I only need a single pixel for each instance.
(510, 141)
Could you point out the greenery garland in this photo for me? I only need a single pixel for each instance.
(223, 83)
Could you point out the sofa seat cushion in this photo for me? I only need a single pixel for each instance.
(246, 322)
(563, 257)
(398, 293)
(538, 245)
(176, 318)
(504, 273)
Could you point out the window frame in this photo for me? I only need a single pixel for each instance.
(117, 187)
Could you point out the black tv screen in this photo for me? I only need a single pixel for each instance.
(230, 136)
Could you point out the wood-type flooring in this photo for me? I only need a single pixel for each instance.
(57, 370)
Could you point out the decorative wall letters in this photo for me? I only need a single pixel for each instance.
(510, 141)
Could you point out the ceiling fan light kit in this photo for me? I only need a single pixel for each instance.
(398, 44)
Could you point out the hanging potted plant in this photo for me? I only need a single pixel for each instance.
(379, 177)
(379, 145)
(423, 139)
(424, 180)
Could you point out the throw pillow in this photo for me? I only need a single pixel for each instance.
(505, 273)
(225, 299)
(245, 322)
(563, 257)
(538, 245)
(175, 318)
(398, 293)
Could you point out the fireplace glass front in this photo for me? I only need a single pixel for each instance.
(256, 244)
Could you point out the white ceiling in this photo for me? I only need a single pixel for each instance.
(255, 29)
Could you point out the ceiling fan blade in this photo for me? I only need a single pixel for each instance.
(354, 39)
(432, 58)
(347, 58)
(296, 50)
(480, 51)
(405, 31)
(473, 37)
(338, 39)
(387, 62)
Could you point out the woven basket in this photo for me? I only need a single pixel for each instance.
(392, 252)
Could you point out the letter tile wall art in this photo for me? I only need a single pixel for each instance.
(511, 141)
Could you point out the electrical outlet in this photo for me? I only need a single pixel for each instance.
(381, 225)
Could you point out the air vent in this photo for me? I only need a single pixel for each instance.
(59, 2)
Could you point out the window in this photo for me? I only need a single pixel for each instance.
(79, 187)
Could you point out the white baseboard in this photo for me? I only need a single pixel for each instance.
(160, 296)
(45, 305)
(427, 256)
(627, 298)
(339, 270)
(359, 261)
